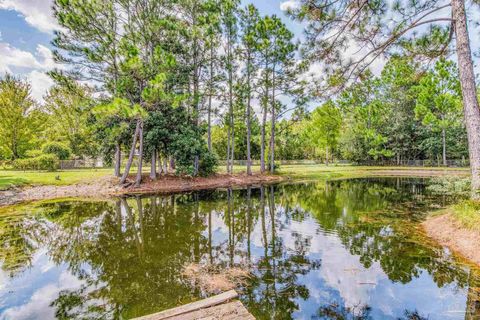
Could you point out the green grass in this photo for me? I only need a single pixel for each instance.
(10, 178)
(467, 212)
(307, 172)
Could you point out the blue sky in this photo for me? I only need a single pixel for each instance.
(26, 30)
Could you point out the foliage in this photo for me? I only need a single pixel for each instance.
(34, 153)
(59, 149)
(69, 109)
(323, 129)
(452, 186)
(19, 119)
(208, 163)
(467, 212)
(47, 162)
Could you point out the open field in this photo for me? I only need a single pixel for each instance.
(15, 178)
(312, 172)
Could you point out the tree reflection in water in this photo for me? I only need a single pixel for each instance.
(129, 253)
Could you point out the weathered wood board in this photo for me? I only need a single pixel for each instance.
(222, 306)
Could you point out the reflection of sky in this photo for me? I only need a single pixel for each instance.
(29, 295)
(341, 278)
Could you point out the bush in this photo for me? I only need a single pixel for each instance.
(451, 186)
(33, 153)
(467, 212)
(208, 164)
(59, 149)
(43, 162)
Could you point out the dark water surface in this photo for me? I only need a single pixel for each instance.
(347, 249)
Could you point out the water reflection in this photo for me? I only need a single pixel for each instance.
(336, 250)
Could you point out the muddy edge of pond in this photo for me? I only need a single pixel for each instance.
(448, 232)
(109, 186)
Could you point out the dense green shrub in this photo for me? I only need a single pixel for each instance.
(33, 153)
(43, 162)
(59, 149)
(208, 164)
(452, 186)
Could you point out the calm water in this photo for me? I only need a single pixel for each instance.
(337, 250)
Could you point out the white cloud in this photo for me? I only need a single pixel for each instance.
(13, 57)
(37, 65)
(37, 13)
(46, 57)
(38, 307)
(40, 82)
(289, 4)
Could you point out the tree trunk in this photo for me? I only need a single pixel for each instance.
(196, 164)
(444, 148)
(118, 159)
(272, 140)
(229, 66)
(326, 156)
(160, 165)
(138, 180)
(233, 146)
(249, 129)
(131, 154)
(469, 92)
(209, 110)
(272, 124)
(172, 163)
(209, 123)
(153, 166)
(228, 147)
(262, 144)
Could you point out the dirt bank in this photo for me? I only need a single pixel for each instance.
(450, 233)
(109, 186)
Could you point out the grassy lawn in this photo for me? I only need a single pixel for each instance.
(9, 178)
(305, 172)
(467, 212)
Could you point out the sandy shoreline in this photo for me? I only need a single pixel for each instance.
(109, 187)
(448, 232)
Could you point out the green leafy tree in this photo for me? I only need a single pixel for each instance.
(276, 49)
(380, 27)
(59, 149)
(20, 122)
(68, 107)
(438, 104)
(90, 41)
(324, 128)
(249, 18)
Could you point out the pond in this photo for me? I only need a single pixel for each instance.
(348, 249)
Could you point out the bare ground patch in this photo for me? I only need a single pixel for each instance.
(450, 233)
(109, 186)
(213, 279)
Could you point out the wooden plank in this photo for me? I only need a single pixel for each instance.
(227, 311)
(202, 304)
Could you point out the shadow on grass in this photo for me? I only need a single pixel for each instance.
(7, 182)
